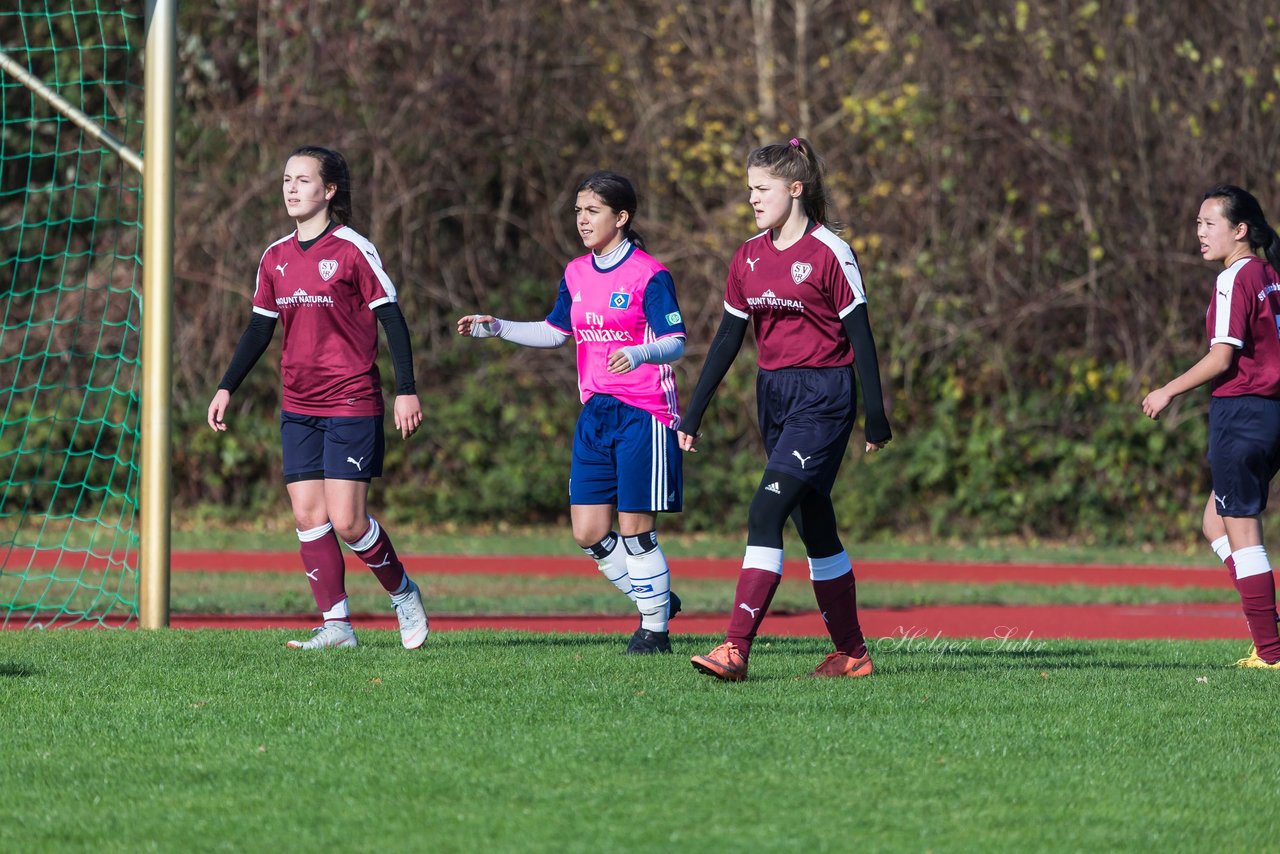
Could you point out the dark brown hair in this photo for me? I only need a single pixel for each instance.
(797, 161)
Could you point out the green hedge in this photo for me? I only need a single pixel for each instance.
(1073, 457)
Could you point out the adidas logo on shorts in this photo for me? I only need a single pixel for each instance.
(774, 488)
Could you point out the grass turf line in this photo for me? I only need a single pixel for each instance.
(224, 740)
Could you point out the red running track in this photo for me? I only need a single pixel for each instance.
(909, 625)
(727, 568)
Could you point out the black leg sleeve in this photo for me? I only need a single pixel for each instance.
(776, 498)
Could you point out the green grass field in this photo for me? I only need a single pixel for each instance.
(482, 741)
(486, 741)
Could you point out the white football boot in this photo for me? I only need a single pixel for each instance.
(334, 633)
(414, 626)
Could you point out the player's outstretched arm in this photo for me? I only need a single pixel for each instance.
(479, 325)
(527, 333)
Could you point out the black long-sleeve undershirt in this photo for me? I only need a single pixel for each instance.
(253, 343)
(398, 343)
(257, 337)
(857, 326)
(724, 349)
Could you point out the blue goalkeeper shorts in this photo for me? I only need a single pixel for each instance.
(625, 457)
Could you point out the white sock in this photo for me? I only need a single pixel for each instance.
(650, 579)
(828, 568)
(340, 612)
(1251, 560)
(1222, 548)
(762, 557)
(612, 563)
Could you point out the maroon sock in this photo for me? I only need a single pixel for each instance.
(322, 561)
(750, 603)
(838, 602)
(1230, 564)
(1258, 598)
(382, 559)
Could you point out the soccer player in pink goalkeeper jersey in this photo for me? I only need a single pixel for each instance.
(799, 285)
(1242, 368)
(619, 306)
(325, 284)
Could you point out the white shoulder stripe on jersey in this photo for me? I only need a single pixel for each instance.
(265, 313)
(370, 253)
(257, 281)
(1224, 287)
(288, 236)
(735, 312)
(848, 263)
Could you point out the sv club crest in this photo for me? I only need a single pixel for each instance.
(800, 271)
(328, 268)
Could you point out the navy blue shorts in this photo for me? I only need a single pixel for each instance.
(337, 448)
(1244, 452)
(625, 457)
(806, 418)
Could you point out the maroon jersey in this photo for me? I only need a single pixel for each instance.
(325, 296)
(796, 298)
(1243, 312)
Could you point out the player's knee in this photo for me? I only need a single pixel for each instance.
(587, 535)
(349, 526)
(766, 516)
(308, 519)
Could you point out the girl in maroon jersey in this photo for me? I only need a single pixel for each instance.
(326, 284)
(799, 286)
(1242, 368)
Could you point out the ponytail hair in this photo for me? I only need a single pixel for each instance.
(616, 192)
(1240, 206)
(333, 170)
(797, 161)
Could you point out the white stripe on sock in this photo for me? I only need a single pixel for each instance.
(368, 539)
(1250, 561)
(827, 568)
(313, 534)
(760, 557)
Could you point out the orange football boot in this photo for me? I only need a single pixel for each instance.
(724, 662)
(839, 664)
